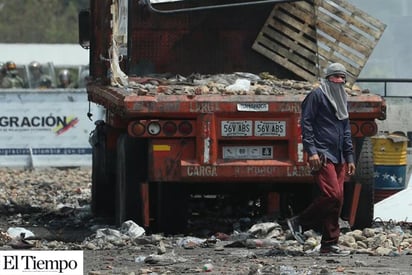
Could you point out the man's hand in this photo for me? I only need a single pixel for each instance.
(315, 163)
(351, 168)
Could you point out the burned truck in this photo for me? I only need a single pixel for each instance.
(203, 101)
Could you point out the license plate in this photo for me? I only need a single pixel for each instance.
(247, 152)
(271, 128)
(236, 128)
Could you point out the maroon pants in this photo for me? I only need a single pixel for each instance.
(323, 213)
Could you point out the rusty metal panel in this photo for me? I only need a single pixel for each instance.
(165, 156)
(304, 37)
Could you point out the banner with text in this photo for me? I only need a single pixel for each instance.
(46, 128)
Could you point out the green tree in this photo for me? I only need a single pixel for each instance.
(40, 21)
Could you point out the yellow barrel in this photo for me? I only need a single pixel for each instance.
(390, 160)
(389, 150)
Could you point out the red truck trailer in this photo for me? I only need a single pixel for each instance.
(195, 110)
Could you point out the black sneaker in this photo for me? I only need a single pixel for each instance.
(333, 250)
(296, 229)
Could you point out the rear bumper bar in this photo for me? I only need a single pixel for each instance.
(260, 171)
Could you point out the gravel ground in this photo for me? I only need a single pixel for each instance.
(54, 205)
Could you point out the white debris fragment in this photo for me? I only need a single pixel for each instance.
(16, 232)
(239, 85)
(131, 229)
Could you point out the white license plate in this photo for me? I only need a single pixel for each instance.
(271, 128)
(236, 128)
(247, 152)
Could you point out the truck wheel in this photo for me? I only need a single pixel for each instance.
(102, 187)
(364, 175)
(129, 168)
(172, 210)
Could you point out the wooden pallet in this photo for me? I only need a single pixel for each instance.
(305, 37)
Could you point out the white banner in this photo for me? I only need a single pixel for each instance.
(17, 262)
(47, 128)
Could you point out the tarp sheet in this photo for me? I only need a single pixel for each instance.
(396, 208)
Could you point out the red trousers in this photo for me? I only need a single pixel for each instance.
(323, 213)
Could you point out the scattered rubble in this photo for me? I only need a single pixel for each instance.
(224, 84)
(49, 209)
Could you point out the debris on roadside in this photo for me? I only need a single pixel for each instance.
(40, 204)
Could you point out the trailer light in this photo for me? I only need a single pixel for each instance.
(137, 129)
(169, 128)
(185, 128)
(153, 128)
(369, 129)
(354, 128)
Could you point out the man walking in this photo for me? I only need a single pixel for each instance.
(326, 135)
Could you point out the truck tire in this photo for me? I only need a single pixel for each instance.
(102, 188)
(130, 171)
(364, 175)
